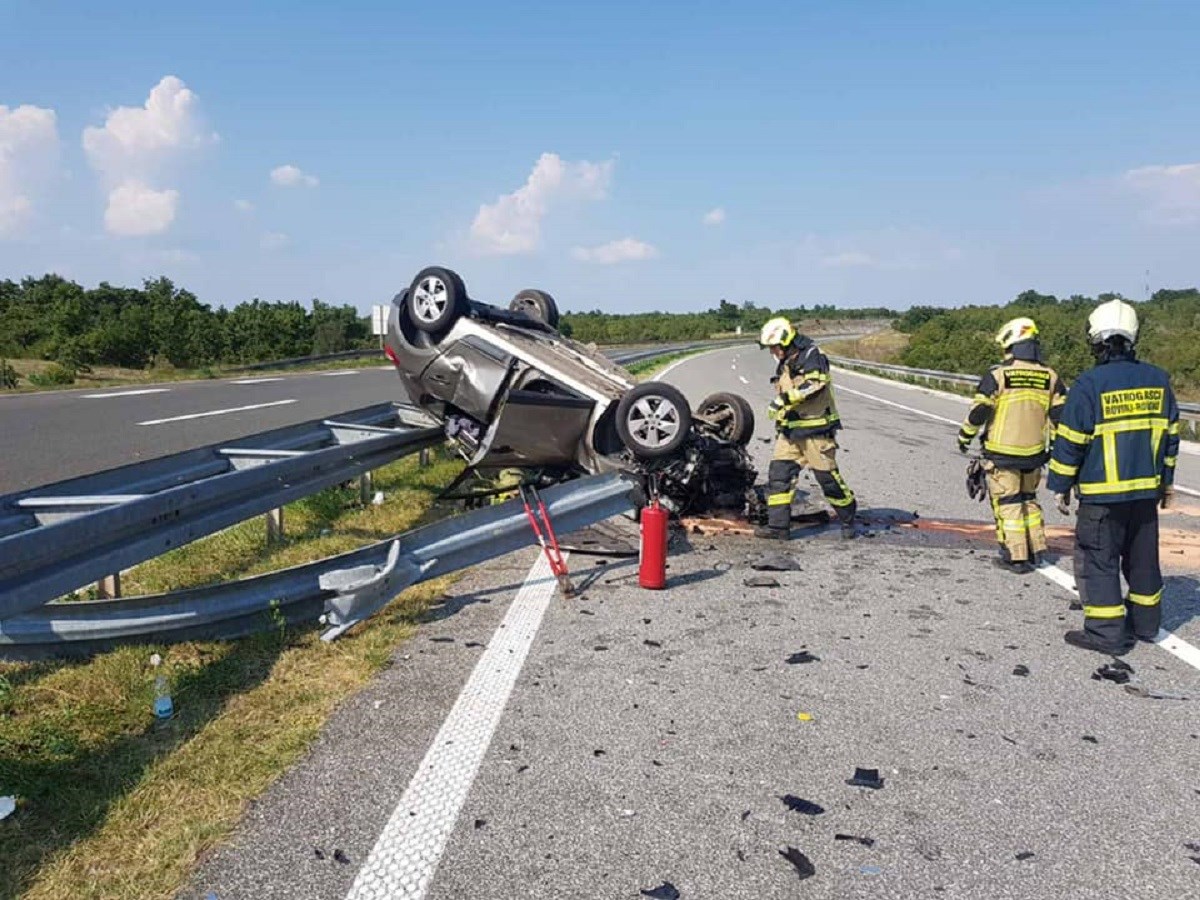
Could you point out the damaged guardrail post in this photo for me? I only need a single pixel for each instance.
(274, 519)
(367, 587)
(365, 483)
(109, 587)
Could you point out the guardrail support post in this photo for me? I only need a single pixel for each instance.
(109, 587)
(365, 483)
(274, 526)
(424, 460)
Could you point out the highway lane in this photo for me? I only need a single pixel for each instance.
(650, 736)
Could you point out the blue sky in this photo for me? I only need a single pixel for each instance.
(625, 156)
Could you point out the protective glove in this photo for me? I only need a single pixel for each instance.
(776, 409)
(1166, 496)
(1063, 502)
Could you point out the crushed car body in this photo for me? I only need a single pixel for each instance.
(513, 393)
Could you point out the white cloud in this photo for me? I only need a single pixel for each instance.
(889, 249)
(292, 176)
(28, 146)
(513, 224)
(1172, 193)
(850, 259)
(135, 210)
(138, 145)
(714, 216)
(243, 206)
(274, 240)
(624, 250)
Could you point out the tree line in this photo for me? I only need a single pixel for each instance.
(159, 323)
(961, 340)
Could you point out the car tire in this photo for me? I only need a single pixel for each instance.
(538, 305)
(736, 416)
(436, 299)
(653, 420)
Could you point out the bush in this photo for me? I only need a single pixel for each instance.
(8, 375)
(54, 376)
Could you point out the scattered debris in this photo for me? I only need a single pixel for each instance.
(741, 855)
(803, 865)
(780, 562)
(870, 870)
(746, 815)
(665, 891)
(1021, 670)
(802, 657)
(628, 813)
(1091, 739)
(474, 644)
(597, 753)
(760, 581)
(586, 612)
(868, 778)
(600, 647)
(521, 769)
(479, 823)
(442, 640)
(650, 643)
(1116, 671)
(804, 717)
(865, 841)
(318, 853)
(802, 806)
(1025, 854)
(340, 857)
(1140, 691)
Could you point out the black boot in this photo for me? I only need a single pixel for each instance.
(773, 534)
(1021, 567)
(1085, 640)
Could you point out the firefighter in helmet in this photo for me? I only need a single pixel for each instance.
(1116, 448)
(1016, 406)
(806, 422)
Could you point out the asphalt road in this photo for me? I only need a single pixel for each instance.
(649, 736)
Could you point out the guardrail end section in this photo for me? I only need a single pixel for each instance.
(364, 590)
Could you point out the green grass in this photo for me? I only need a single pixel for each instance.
(113, 804)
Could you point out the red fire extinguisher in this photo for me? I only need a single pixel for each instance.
(652, 570)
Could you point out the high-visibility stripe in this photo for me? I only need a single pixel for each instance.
(1041, 398)
(1170, 461)
(1104, 612)
(1013, 450)
(969, 429)
(808, 423)
(1173, 428)
(783, 499)
(1118, 487)
(983, 400)
(1063, 468)
(1033, 520)
(1144, 423)
(1112, 470)
(1070, 434)
(1015, 526)
(1146, 599)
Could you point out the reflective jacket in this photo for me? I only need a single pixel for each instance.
(1016, 405)
(802, 381)
(1119, 434)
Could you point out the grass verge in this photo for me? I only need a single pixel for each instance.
(111, 803)
(881, 346)
(648, 368)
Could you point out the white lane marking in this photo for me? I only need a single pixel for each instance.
(1169, 641)
(257, 380)
(403, 861)
(743, 379)
(1187, 490)
(340, 372)
(125, 393)
(841, 389)
(216, 412)
(679, 362)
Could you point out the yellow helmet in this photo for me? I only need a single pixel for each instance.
(1114, 318)
(778, 332)
(1022, 329)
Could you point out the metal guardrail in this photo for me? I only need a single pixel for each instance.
(1187, 410)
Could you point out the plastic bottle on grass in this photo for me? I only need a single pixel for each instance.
(164, 706)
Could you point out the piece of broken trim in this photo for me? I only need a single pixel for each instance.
(868, 778)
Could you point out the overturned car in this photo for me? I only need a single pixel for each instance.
(514, 394)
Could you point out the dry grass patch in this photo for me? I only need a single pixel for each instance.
(882, 346)
(113, 804)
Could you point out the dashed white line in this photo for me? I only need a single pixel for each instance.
(403, 861)
(257, 380)
(216, 412)
(679, 362)
(136, 393)
(340, 372)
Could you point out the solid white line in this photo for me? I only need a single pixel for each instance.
(257, 380)
(1187, 490)
(406, 855)
(216, 412)
(903, 385)
(1169, 641)
(841, 389)
(125, 393)
(686, 359)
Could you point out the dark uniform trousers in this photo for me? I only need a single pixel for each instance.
(1115, 539)
(818, 453)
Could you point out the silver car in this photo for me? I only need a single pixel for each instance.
(513, 392)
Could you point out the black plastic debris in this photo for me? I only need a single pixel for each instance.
(760, 581)
(1116, 671)
(479, 823)
(1021, 670)
(1091, 739)
(339, 856)
(800, 805)
(473, 644)
(442, 640)
(1191, 845)
(779, 562)
(802, 657)
(1025, 854)
(521, 769)
(586, 612)
(600, 647)
(746, 815)
(1146, 693)
(665, 891)
(318, 853)
(741, 855)
(865, 841)
(597, 753)
(803, 865)
(868, 778)
(650, 643)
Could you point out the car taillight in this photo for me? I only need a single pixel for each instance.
(391, 354)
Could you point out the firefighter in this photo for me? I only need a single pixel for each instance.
(806, 422)
(1016, 406)
(1115, 449)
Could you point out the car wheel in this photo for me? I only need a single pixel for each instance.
(653, 420)
(538, 305)
(731, 414)
(436, 299)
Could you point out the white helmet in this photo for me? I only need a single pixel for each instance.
(1017, 330)
(778, 332)
(1113, 318)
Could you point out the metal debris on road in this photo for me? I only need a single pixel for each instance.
(1021, 670)
(803, 865)
(760, 581)
(665, 891)
(1025, 854)
(779, 562)
(341, 857)
(802, 806)
(1116, 671)
(1140, 691)
(865, 841)
(868, 778)
(802, 657)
